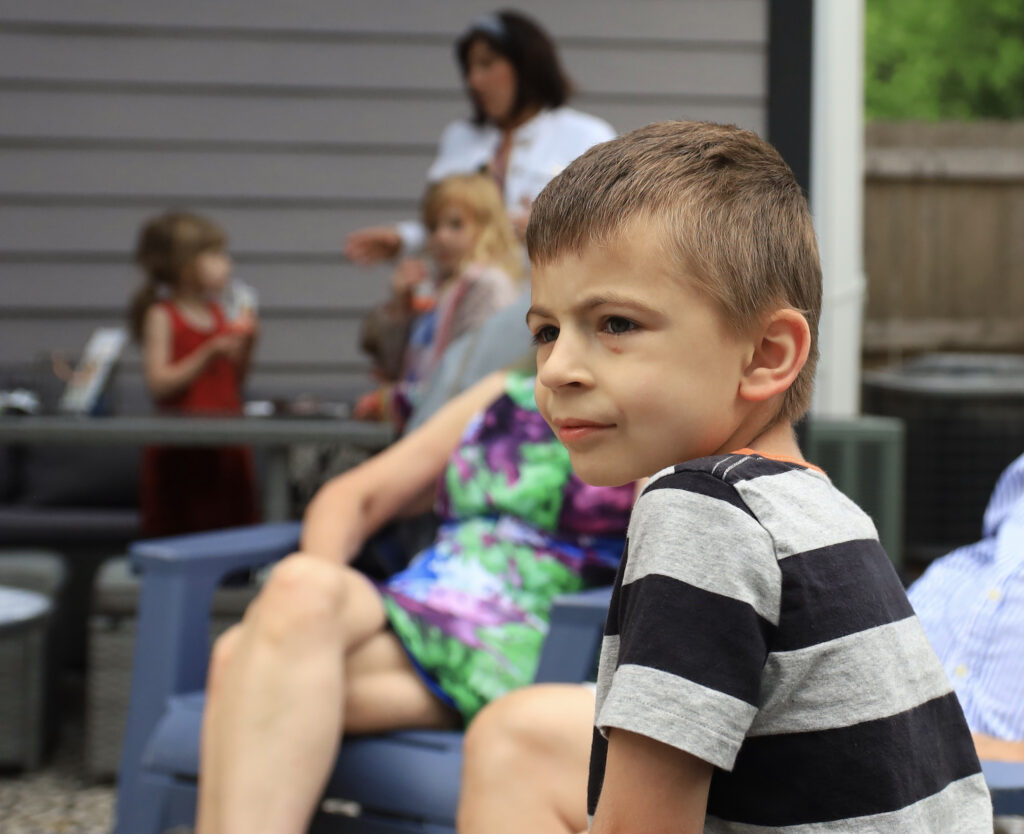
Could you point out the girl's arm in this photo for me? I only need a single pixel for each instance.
(165, 378)
(373, 244)
(348, 509)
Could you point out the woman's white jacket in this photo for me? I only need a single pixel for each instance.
(541, 148)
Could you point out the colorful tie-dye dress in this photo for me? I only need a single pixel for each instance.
(518, 528)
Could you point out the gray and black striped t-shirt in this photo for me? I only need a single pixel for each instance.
(757, 623)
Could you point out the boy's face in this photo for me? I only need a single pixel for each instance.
(636, 369)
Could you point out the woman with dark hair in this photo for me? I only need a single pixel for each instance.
(521, 130)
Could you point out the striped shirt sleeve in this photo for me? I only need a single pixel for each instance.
(691, 619)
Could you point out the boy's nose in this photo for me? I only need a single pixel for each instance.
(565, 363)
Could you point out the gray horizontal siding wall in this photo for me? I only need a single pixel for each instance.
(291, 124)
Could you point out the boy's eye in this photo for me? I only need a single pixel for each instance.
(617, 325)
(545, 334)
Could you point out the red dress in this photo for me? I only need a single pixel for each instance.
(188, 489)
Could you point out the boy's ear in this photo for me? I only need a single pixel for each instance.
(780, 351)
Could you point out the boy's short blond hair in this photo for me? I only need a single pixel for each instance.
(735, 221)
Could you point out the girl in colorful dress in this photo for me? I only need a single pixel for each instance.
(324, 652)
(195, 361)
(476, 267)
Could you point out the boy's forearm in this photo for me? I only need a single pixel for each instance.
(651, 788)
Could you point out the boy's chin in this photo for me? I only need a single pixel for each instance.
(598, 475)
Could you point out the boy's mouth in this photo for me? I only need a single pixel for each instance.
(572, 430)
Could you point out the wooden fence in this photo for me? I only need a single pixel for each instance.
(944, 237)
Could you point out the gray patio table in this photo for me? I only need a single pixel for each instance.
(274, 434)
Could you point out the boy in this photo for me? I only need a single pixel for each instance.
(761, 667)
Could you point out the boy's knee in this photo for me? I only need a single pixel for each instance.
(504, 733)
(303, 596)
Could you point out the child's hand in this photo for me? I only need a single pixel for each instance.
(372, 245)
(246, 324)
(374, 405)
(409, 273)
(231, 346)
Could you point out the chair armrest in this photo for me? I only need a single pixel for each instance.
(573, 643)
(222, 551)
(179, 577)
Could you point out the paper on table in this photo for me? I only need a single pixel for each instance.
(89, 379)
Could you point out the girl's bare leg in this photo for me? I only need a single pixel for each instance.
(310, 657)
(525, 763)
(383, 691)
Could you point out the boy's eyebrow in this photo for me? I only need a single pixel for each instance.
(592, 302)
(536, 311)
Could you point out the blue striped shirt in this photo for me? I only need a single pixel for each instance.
(971, 604)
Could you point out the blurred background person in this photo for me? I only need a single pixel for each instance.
(475, 269)
(521, 131)
(195, 361)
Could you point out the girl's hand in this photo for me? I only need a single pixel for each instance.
(232, 346)
(372, 245)
(410, 272)
(373, 405)
(246, 324)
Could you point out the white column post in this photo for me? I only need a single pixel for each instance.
(836, 197)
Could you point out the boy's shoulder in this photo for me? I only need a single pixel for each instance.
(793, 501)
(732, 469)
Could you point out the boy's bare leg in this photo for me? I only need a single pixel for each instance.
(526, 760)
(278, 696)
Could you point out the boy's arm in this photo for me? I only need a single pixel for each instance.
(651, 787)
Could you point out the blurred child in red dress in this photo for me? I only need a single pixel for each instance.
(195, 361)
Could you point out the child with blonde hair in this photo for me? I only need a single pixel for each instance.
(195, 361)
(476, 269)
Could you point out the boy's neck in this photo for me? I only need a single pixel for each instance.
(778, 440)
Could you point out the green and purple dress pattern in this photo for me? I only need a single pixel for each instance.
(517, 529)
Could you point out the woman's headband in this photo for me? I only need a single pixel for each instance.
(488, 24)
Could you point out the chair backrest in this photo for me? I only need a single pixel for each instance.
(573, 644)
(1006, 782)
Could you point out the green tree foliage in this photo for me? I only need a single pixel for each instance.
(944, 59)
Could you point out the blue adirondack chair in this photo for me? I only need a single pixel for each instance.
(399, 782)
(1006, 782)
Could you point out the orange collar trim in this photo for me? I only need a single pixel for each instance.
(782, 458)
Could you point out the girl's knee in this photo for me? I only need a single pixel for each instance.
(224, 648)
(303, 596)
